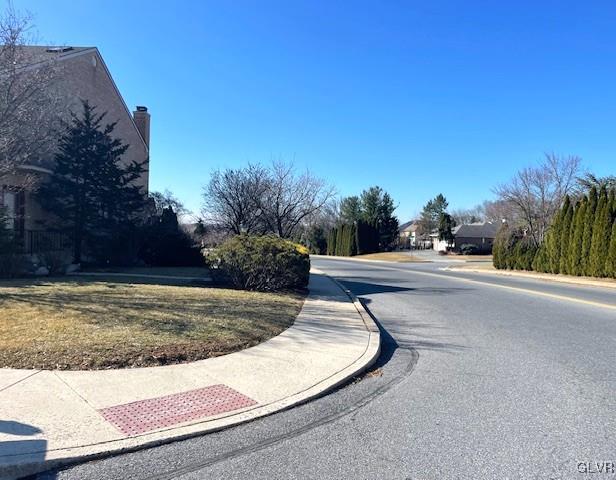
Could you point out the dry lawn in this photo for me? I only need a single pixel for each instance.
(391, 257)
(92, 324)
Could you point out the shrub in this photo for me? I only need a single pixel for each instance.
(12, 265)
(263, 263)
(55, 261)
(469, 249)
(165, 244)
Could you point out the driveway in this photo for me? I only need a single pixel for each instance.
(480, 378)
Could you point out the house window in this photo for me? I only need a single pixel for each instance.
(8, 200)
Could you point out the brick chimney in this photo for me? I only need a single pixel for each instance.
(142, 120)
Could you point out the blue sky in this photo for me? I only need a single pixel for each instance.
(417, 97)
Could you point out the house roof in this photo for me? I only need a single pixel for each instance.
(476, 230)
(411, 226)
(36, 54)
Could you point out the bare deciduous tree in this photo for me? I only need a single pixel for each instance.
(162, 200)
(232, 199)
(29, 113)
(537, 193)
(291, 199)
(468, 215)
(255, 199)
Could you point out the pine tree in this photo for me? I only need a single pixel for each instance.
(93, 193)
(610, 262)
(575, 244)
(589, 222)
(566, 233)
(600, 243)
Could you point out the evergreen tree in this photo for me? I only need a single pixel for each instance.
(387, 223)
(93, 193)
(601, 232)
(610, 262)
(366, 238)
(553, 240)
(445, 228)
(541, 261)
(339, 247)
(431, 213)
(353, 239)
(331, 242)
(566, 234)
(589, 222)
(350, 209)
(377, 209)
(575, 244)
(8, 241)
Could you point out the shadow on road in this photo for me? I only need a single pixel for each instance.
(369, 288)
(405, 340)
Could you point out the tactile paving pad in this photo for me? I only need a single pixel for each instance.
(145, 415)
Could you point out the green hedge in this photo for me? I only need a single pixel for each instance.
(580, 241)
(263, 263)
(351, 239)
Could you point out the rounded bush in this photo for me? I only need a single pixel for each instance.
(263, 263)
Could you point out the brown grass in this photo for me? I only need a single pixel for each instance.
(197, 272)
(83, 323)
(391, 257)
(471, 258)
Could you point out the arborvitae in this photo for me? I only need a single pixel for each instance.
(541, 262)
(600, 237)
(556, 246)
(338, 251)
(346, 240)
(353, 240)
(498, 250)
(575, 244)
(331, 242)
(566, 233)
(589, 222)
(610, 262)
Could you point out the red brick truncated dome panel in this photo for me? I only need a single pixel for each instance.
(154, 413)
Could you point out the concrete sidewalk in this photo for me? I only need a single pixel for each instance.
(50, 418)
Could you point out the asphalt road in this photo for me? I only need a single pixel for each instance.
(481, 378)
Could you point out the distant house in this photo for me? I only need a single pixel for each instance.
(410, 236)
(83, 76)
(480, 234)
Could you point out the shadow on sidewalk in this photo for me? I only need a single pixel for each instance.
(34, 450)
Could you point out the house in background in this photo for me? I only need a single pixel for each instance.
(480, 234)
(83, 75)
(410, 236)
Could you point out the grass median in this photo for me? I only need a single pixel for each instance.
(83, 323)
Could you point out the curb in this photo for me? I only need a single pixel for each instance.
(365, 361)
(355, 259)
(581, 282)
